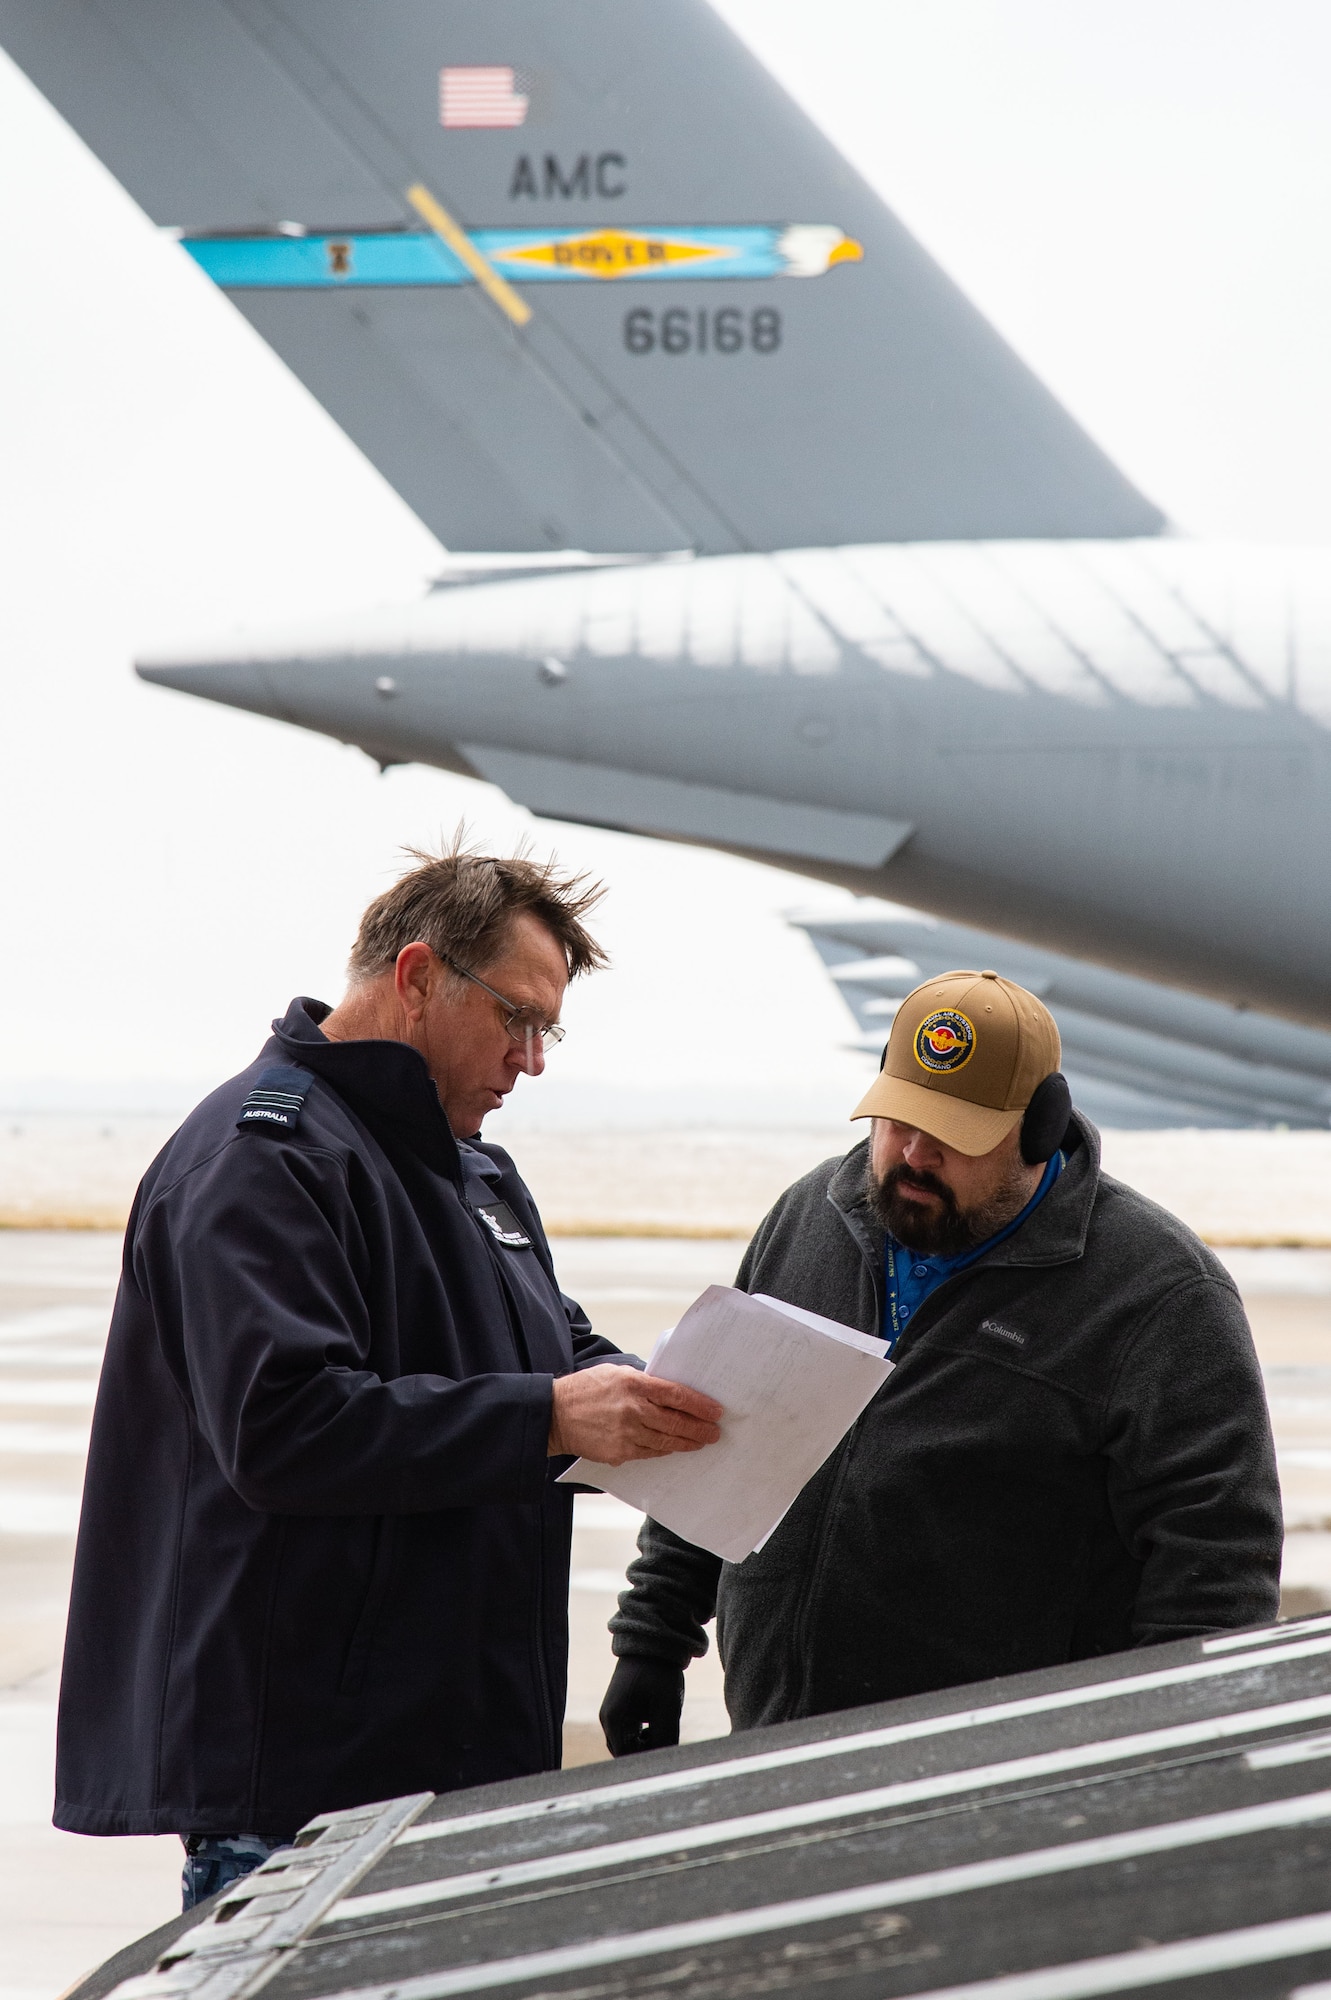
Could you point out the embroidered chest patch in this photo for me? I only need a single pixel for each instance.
(503, 1225)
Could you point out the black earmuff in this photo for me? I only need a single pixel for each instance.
(1046, 1120)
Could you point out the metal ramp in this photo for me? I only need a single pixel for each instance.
(1160, 1820)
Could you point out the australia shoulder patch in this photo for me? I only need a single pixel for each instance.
(277, 1100)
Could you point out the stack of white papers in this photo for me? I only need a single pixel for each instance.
(791, 1384)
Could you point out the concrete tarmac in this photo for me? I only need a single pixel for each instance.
(67, 1902)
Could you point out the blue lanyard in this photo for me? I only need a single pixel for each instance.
(897, 1321)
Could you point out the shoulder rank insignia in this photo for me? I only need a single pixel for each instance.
(503, 1225)
(277, 1099)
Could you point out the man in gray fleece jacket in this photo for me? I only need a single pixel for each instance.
(1072, 1455)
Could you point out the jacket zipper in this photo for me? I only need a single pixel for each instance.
(800, 1626)
(554, 1747)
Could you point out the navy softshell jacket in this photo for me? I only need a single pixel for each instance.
(321, 1559)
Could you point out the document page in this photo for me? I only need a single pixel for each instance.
(791, 1385)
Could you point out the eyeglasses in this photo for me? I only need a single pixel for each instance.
(524, 1024)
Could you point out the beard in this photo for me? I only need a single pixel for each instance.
(943, 1228)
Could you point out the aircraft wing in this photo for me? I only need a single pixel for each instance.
(571, 273)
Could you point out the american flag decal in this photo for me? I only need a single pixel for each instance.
(480, 96)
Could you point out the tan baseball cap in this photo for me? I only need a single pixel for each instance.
(966, 1054)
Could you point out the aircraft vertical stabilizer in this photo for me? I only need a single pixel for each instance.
(572, 275)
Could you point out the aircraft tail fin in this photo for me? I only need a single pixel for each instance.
(573, 275)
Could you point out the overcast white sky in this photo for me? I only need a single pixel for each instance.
(1139, 195)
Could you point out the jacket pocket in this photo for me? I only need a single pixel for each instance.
(352, 1678)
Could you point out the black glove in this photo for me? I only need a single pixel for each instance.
(642, 1706)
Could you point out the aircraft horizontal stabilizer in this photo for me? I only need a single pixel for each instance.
(1136, 1053)
(573, 275)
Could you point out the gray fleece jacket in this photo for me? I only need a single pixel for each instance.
(1071, 1457)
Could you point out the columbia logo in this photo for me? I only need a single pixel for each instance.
(1001, 1332)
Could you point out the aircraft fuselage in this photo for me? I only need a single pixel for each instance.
(1116, 749)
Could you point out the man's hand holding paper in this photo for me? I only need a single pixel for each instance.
(789, 1385)
(613, 1414)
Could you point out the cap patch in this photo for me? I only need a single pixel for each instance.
(944, 1041)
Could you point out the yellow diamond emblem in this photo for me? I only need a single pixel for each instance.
(614, 253)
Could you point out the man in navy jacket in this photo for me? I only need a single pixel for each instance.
(321, 1559)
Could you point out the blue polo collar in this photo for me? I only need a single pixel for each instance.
(911, 1277)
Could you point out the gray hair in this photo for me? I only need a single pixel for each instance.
(463, 904)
